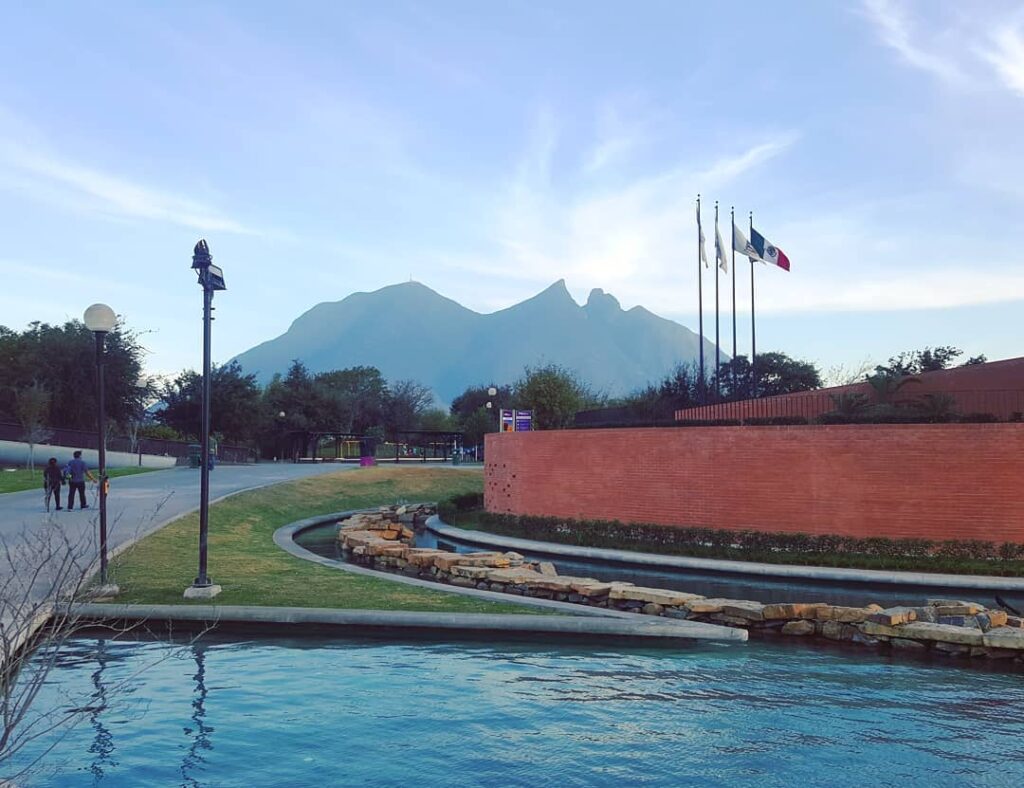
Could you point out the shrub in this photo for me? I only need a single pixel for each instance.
(951, 556)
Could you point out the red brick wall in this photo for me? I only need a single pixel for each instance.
(938, 481)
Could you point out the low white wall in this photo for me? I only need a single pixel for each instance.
(14, 453)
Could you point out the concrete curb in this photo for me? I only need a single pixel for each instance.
(284, 537)
(786, 571)
(439, 624)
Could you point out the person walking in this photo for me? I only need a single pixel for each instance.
(78, 472)
(53, 478)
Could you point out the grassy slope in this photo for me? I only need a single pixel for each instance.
(254, 571)
(22, 479)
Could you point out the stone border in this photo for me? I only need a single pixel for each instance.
(790, 571)
(441, 625)
(284, 537)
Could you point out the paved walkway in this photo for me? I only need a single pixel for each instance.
(138, 504)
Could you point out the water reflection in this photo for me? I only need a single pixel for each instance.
(102, 747)
(195, 758)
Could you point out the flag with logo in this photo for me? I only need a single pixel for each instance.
(700, 234)
(723, 261)
(742, 245)
(767, 251)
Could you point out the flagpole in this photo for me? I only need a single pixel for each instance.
(718, 353)
(732, 236)
(700, 309)
(753, 324)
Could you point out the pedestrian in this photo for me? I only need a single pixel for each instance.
(78, 472)
(53, 478)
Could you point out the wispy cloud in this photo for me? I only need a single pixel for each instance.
(57, 180)
(601, 231)
(623, 125)
(1006, 54)
(896, 32)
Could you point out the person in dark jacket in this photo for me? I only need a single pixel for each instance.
(53, 478)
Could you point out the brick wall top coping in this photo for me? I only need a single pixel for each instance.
(630, 557)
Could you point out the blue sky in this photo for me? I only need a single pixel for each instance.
(487, 150)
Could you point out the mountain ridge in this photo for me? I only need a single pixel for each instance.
(408, 330)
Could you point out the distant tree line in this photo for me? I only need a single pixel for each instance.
(47, 379)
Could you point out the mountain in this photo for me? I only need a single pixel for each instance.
(409, 331)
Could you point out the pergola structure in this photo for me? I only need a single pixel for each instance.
(427, 445)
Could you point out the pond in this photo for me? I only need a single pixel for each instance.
(322, 540)
(342, 712)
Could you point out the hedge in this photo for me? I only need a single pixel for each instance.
(947, 556)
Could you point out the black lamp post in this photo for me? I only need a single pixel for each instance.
(211, 279)
(100, 319)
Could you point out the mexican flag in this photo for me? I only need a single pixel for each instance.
(767, 252)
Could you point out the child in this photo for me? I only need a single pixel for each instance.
(53, 478)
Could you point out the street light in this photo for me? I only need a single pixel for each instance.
(100, 319)
(211, 279)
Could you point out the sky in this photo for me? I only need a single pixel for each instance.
(487, 150)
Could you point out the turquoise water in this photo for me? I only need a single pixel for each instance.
(349, 712)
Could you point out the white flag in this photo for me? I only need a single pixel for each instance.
(742, 245)
(723, 261)
(700, 233)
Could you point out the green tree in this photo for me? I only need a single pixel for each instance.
(236, 404)
(62, 360)
(914, 362)
(31, 406)
(554, 394)
(351, 400)
(439, 420)
(477, 424)
(476, 397)
(776, 372)
(406, 402)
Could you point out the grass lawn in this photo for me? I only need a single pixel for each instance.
(254, 571)
(23, 479)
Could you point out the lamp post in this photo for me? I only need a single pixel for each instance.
(211, 279)
(100, 319)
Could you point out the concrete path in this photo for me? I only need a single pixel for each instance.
(137, 505)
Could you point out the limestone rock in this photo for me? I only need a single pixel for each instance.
(699, 605)
(907, 645)
(741, 608)
(955, 607)
(472, 572)
(422, 556)
(547, 568)
(659, 596)
(941, 632)
(894, 616)
(798, 628)
(653, 609)
(446, 561)
(847, 615)
(1004, 638)
(792, 610)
